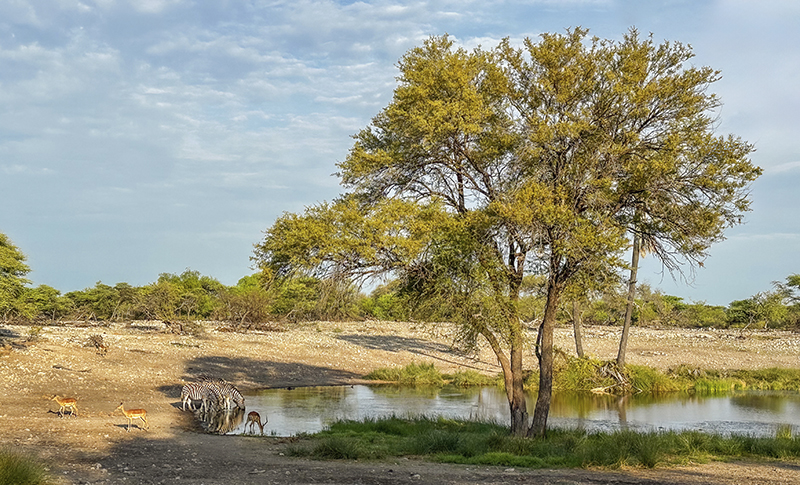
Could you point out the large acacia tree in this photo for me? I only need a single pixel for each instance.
(487, 166)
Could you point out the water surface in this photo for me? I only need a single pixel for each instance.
(311, 409)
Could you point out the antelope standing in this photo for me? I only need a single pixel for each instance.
(66, 402)
(132, 414)
(254, 418)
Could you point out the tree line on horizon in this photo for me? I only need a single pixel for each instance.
(260, 299)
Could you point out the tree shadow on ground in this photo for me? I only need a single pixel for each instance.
(392, 343)
(251, 374)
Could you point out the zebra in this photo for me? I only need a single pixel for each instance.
(193, 391)
(210, 390)
(230, 395)
(227, 391)
(203, 391)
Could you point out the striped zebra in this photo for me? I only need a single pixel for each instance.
(227, 392)
(193, 391)
(205, 392)
(231, 395)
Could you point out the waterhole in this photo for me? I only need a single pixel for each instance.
(311, 409)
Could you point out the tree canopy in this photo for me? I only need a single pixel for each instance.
(13, 271)
(488, 166)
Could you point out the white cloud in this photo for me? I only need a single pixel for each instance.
(241, 109)
(784, 167)
(153, 6)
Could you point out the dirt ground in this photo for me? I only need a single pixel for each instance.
(145, 367)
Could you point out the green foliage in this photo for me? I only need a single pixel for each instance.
(12, 280)
(470, 378)
(581, 374)
(769, 379)
(48, 303)
(412, 374)
(296, 297)
(246, 304)
(648, 379)
(188, 295)
(476, 443)
(385, 303)
(717, 385)
(103, 302)
(310, 298)
(764, 309)
(20, 469)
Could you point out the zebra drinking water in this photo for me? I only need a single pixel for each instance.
(215, 392)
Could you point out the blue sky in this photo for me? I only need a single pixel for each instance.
(148, 136)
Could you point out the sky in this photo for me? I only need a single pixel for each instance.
(153, 136)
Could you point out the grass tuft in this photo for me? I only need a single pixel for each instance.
(16, 468)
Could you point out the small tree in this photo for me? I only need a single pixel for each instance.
(12, 280)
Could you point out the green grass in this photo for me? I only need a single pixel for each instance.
(575, 374)
(427, 375)
(19, 469)
(774, 379)
(477, 443)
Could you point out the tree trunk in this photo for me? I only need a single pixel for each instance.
(576, 325)
(519, 408)
(623, 342)
(539, 425)
(512, 375)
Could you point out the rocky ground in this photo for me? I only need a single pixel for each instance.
(145, 367)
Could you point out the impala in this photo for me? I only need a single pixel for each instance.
(254, 418)
(66, 402)
(132, 414)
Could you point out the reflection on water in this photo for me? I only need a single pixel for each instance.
(220, 420)
(308, 410)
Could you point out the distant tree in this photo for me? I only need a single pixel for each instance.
(189, 295)
(100, 302)
(246, 304)
(13, 281)
(386, 303)
(765, 309)
(790, 288)
(699, 314)
(48, 303)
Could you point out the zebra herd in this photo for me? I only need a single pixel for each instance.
(221, 405)
(213, 393)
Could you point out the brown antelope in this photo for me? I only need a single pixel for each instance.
(254, 418)
(66, 402)
(132, 414)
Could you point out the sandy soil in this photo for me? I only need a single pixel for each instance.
(145, 367)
